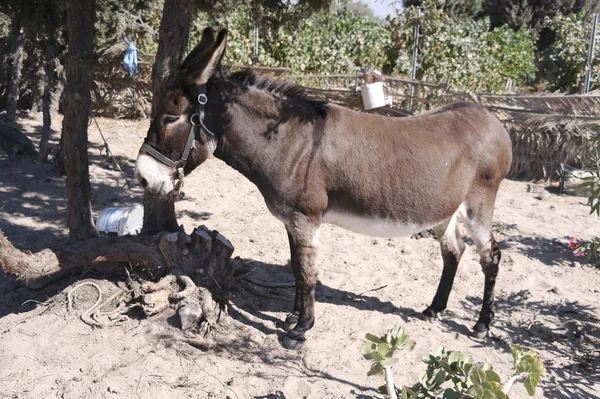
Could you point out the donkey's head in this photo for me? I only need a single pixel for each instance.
(178, 139)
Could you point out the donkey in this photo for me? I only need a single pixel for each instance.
(316, 163)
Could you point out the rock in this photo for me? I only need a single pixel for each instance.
(575, 264)
(190, 312)
(555, 290)
(544, 195)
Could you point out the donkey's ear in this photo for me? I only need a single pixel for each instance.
(208, 39)
(202, 67)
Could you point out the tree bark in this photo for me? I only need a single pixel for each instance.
(196, 255)
(77, 105)
(159, 214)
(172, 45)
(14, 81)
(47, 97)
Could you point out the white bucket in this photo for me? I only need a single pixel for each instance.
(372, 95)
(121, 221)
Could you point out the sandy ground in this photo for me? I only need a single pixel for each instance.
(547, 299)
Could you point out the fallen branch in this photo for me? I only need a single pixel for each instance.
(204, 252)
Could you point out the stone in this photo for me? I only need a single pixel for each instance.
(190, 312)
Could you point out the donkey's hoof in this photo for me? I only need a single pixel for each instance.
(290, 322)
(287, 326)
(480, 331)
(429, 315)
(293, 344)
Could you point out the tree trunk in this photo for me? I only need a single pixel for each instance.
(172, 45)
(14, 81)
(47, 97)
(77, 106)
(159, 214)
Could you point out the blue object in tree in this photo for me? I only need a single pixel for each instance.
(130, 62)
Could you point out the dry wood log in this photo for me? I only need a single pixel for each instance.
(159, 254)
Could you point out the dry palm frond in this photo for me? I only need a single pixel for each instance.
(556, 103)
(566, 123)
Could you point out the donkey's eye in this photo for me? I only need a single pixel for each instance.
(170, 119)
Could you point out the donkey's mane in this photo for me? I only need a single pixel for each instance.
(280, 88)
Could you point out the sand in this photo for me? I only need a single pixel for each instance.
(547, 299)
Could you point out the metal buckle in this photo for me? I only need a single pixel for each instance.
(202, 99)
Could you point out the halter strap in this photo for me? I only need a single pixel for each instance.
(199, 122)
(196, 124)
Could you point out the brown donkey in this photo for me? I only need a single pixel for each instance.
(317, 163)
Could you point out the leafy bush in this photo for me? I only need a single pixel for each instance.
(590, 248)
(449, 374)
(563, 63)
(463, 54)
(340, 41)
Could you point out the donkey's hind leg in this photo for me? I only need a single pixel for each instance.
(478, 220)
(452, 247)
(304, 244)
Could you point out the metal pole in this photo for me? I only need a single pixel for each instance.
(413, 71)
(255, 57)
(590, 62)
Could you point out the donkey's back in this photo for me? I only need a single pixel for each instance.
(397, 176)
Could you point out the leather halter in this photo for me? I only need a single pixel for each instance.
(197, 121)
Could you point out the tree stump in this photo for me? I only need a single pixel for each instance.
(16, 144)
(200, 262)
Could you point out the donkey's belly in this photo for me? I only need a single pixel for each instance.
(373, 226)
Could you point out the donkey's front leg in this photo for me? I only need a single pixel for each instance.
(292, 318)
(305, 240)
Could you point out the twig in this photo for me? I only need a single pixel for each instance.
(140, 379)
(373, 290)
(267, 295)
(225, 386)
(109, 300)
(213, 279)
(270, 285)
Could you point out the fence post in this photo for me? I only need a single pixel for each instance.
(255, 56)
(413, 70)
(590, 62)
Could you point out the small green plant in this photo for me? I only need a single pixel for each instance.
(449, 374)
(380, 351)
(590, 248)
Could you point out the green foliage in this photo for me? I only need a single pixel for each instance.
(138, 19)
(564, 62)
(533, 13)
(340, 41)
(4, 25)
(463, 54)
(455, 9)
(528, 363)
(466, 379)
(590, 248)
(451, 374)
(380, 350)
